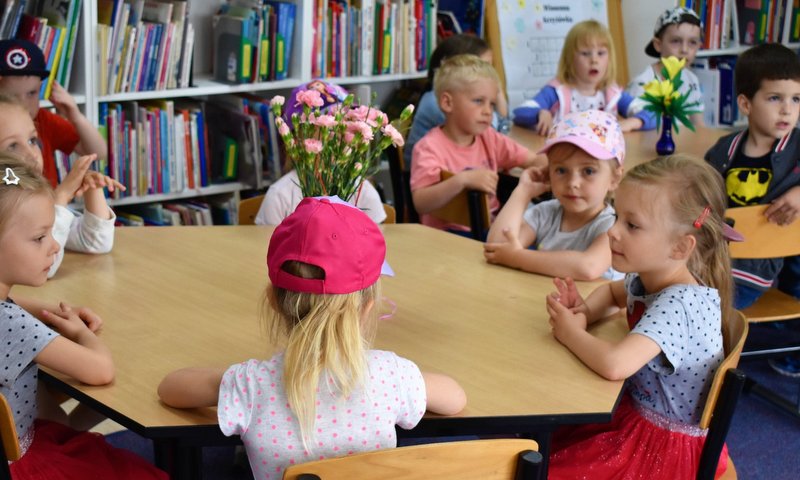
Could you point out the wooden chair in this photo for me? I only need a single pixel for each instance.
(8, 435)
(248, 209)
(469, 207)
(391, 214)
(496, 459)
(722, 398)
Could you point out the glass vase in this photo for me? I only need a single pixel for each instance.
(665, 144)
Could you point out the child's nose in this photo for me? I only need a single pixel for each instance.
(54, 246)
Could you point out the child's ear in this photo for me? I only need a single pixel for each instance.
(446, 102)
(683, 247)
(657, 44)
(617, 172)
(744, 104)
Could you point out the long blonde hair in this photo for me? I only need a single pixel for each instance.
(581, 35)
(30, 183)
(326, 336)
(691, 185)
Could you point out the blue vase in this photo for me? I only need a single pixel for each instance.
(665, 144)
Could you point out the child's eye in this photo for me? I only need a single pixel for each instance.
(773, 98)
(35, 142)
(40, 238)
(589, 171)
(795, 99)
(12, 147)
(631, 226)
(560, 170)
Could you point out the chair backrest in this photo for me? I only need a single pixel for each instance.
(8, 434)
(762, 239)
(248, 209)
(469, 207)
(495, 459)
(722, 396)
(401, 185)
(391, 214)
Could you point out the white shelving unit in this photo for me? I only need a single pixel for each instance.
(84, 77)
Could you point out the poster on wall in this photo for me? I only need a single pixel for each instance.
(532, 33)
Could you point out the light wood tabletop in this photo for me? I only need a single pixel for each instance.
(173, 297)
(640, 146)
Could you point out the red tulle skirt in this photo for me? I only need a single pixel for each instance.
(629, 447)
(61, 453)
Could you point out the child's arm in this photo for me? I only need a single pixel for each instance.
(444, 395)
(78, 353)
(433, 197)
(532, 183)
(604, 301)
(785, 209)
(94, 199)
(535, 113)
(191, 387)
(634, 120)
(589, 264)
(614, 361)
(90, 139)
(38, 309)
(697, 120)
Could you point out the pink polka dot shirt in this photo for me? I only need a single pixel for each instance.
(252, 404)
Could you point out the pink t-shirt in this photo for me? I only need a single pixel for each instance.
(252, 404)
(436, 152)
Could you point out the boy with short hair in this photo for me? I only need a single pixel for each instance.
(760, 164)
(22, 70)
(466, 88)
(678, 33)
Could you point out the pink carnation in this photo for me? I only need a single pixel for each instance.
(283, 129)
(397, 137)
(366, 131)
(312, 146)
(277, 100)
(327, 121)
(312, 98)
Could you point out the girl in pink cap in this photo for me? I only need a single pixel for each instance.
(670, 239)
(327, 394)
(585, 152)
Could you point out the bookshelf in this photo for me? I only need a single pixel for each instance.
(86, 78)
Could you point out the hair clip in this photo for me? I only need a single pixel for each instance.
(702, 218)
(11, 178)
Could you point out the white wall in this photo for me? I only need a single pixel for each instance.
(638, 19)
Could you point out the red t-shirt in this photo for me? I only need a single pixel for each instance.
(55, 133)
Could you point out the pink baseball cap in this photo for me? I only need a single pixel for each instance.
(594, 131)
(334, 236)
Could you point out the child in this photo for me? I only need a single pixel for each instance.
(585, 81)
(283, 196)
(670, 240)
(677, 34)
(92, 232)
(466, 88)
(22, 70)
(585, 152)
(27, 250)
(760, 166)
(428, 115)
(328, 395)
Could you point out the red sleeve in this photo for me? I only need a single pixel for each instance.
(56, 132)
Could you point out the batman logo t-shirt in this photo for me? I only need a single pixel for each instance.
(748, 179)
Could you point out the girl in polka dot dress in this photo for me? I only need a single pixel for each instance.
(62, 339)
(670, 240)
(327, 394)
(585, 80)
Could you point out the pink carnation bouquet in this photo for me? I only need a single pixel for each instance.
(334, 150)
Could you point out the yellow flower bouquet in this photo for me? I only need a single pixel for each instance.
(663, 97)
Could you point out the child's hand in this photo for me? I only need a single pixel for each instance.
(562, 319)
(545, 122)
(785, 209)
(504, 253)
(94, 179)
(73, 182)
(479, 179)
(62, 100)
(630, 124)
(569, 296)
(70, 323)
(534, 181)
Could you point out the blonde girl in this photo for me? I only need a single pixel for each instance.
(327, 394)
(670, 239)
(585, 81)
(92, 232)
(62, 339)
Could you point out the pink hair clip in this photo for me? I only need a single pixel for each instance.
(702, 218)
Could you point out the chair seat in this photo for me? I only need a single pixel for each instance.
(772, 306)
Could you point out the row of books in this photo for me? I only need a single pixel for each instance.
(10, 15)
(372, 37)
(253, 40)
(728, 23)
(143, 45)
(719, 94)
(166, 146)
(213, 211)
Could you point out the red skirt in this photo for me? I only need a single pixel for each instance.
(629, 447)
(61, 453)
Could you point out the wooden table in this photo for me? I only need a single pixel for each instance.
(174, 297)
(641, 146)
